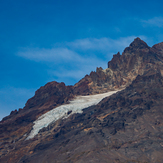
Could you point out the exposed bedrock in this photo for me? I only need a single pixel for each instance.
(124, 127)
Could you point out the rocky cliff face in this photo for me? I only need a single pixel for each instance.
(125, 127)
(123, 69)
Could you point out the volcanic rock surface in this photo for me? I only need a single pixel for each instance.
(122, 128)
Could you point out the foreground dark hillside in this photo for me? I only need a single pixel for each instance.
(125, 127)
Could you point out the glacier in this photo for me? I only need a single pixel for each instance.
(76, 105)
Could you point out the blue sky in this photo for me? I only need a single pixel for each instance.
(62, 40)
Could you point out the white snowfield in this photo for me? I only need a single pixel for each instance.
(75, 106)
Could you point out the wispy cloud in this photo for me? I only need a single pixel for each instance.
(156, 21)
(77, 58)
(90, 44)
(48, 55)
(73, 51)
(102, 44)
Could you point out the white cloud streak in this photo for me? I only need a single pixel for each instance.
(102, 44)
(68, 51)
(48, 55)
(156, 21)
(78, 58)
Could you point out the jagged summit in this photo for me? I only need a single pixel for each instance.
(125, 127)
(139, 44)
(136, 45)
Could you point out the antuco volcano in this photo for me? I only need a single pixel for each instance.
(125, 127)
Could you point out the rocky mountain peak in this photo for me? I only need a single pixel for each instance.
(139, 44)
(123, 127)
(136, 45)
(158, 48)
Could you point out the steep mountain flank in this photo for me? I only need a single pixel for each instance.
(124, 127)
(18, 123)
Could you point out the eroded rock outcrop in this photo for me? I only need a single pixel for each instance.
(123, 69)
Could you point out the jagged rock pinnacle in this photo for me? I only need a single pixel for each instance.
(138, 43)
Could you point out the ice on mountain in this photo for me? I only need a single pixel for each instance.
(75, 106)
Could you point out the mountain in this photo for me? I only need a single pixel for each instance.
(113, 115)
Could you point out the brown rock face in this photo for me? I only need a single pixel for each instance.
(125, 127)
(123, 69)
(18, 123)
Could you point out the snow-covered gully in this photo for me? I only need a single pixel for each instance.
(75, 106)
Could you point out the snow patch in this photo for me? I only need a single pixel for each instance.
(75, 106)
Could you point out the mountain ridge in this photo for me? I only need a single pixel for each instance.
(106, 131)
